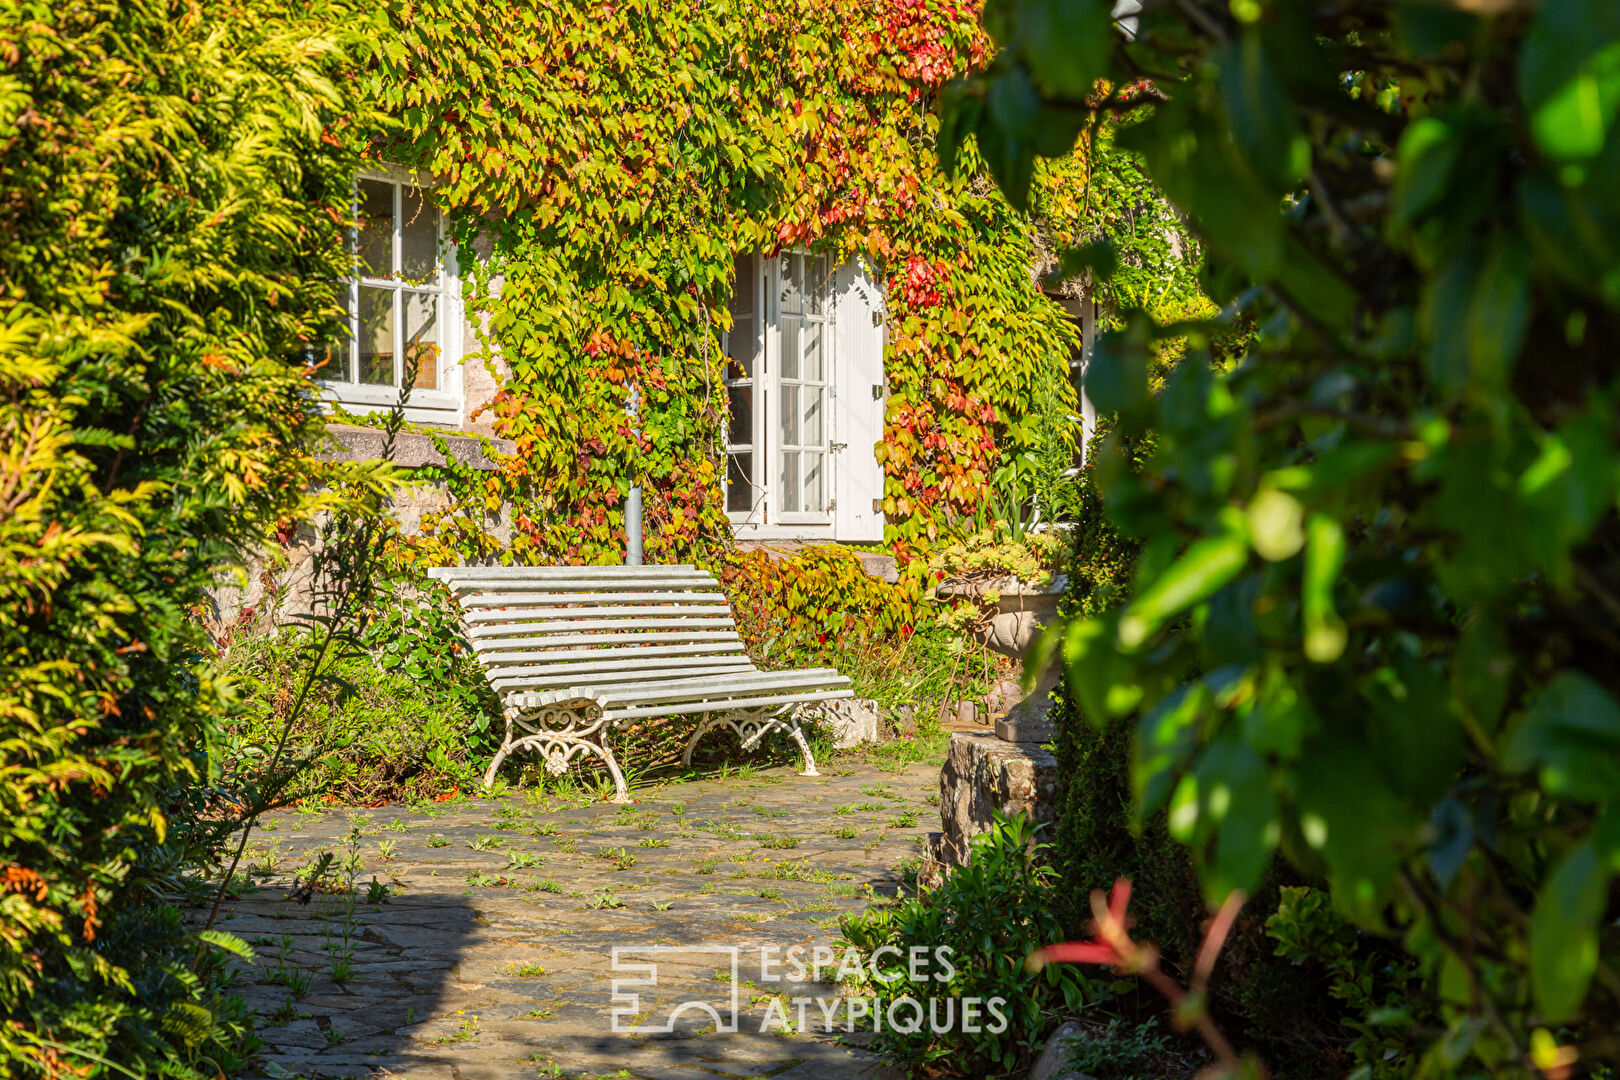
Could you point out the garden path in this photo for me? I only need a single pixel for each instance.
(492, 955)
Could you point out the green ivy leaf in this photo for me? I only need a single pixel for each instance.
(1066, 43)
(1258, 113)
(1353, 821)
(1236, 799)
(1206, 566)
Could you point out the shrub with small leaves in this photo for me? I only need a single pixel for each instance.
(990, 914)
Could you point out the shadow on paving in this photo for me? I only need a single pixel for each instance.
(495, 954)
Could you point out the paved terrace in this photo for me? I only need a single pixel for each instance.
(491, 956)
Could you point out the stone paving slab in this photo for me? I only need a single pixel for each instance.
(492, 954)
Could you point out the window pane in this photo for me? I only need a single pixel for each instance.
(742, 287)
(376, 336)
(742, 344)
(739, 486)
(376, 229)
(418, 238)
(422, 338)
(339, 355)
(818, 271)
(791, 335)
(792, 284)
(741, 432)
(335, 365)
(807, 357)
(790, 415)
(790, 482)
(813, 467)
(810, 399)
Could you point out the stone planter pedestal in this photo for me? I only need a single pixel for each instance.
(984, 774)
(1007, 772)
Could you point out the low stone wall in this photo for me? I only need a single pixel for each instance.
(412, 450)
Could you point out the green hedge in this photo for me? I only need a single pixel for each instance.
(176, 189)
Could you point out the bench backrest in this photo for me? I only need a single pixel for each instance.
(559, 627)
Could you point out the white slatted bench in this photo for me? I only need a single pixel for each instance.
(573, 651)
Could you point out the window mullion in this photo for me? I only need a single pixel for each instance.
(352, 374)
(394, 280)
(769, 388)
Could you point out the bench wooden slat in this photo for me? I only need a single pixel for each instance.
(580, 581)
(692, 686)
(509, 576)
(553, 676)
(548, 599)
(553, 624)
(580, 686)
(528, 660)
(698, 689)
(543, 591)
(538, 573)
(647, 712)
(589, 687)
(652, 620)
(483, 617)
(494, 648)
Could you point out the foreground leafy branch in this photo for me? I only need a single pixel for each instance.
(1373, 629)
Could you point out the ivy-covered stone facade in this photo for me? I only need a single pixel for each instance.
(609, 163)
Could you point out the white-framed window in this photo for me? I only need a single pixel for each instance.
(403, 305)
(804, 384)
(779, 384)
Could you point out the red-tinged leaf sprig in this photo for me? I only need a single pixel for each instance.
(1111, 945)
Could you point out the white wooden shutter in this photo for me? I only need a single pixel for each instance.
(858, 415)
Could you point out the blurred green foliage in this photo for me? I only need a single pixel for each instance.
(1375, 621)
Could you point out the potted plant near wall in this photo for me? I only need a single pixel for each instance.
(1003, 577)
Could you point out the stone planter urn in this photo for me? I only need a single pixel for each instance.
(1022, 608)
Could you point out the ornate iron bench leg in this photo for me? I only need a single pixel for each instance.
(750, 726)
(561, 733)
(792, 726)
